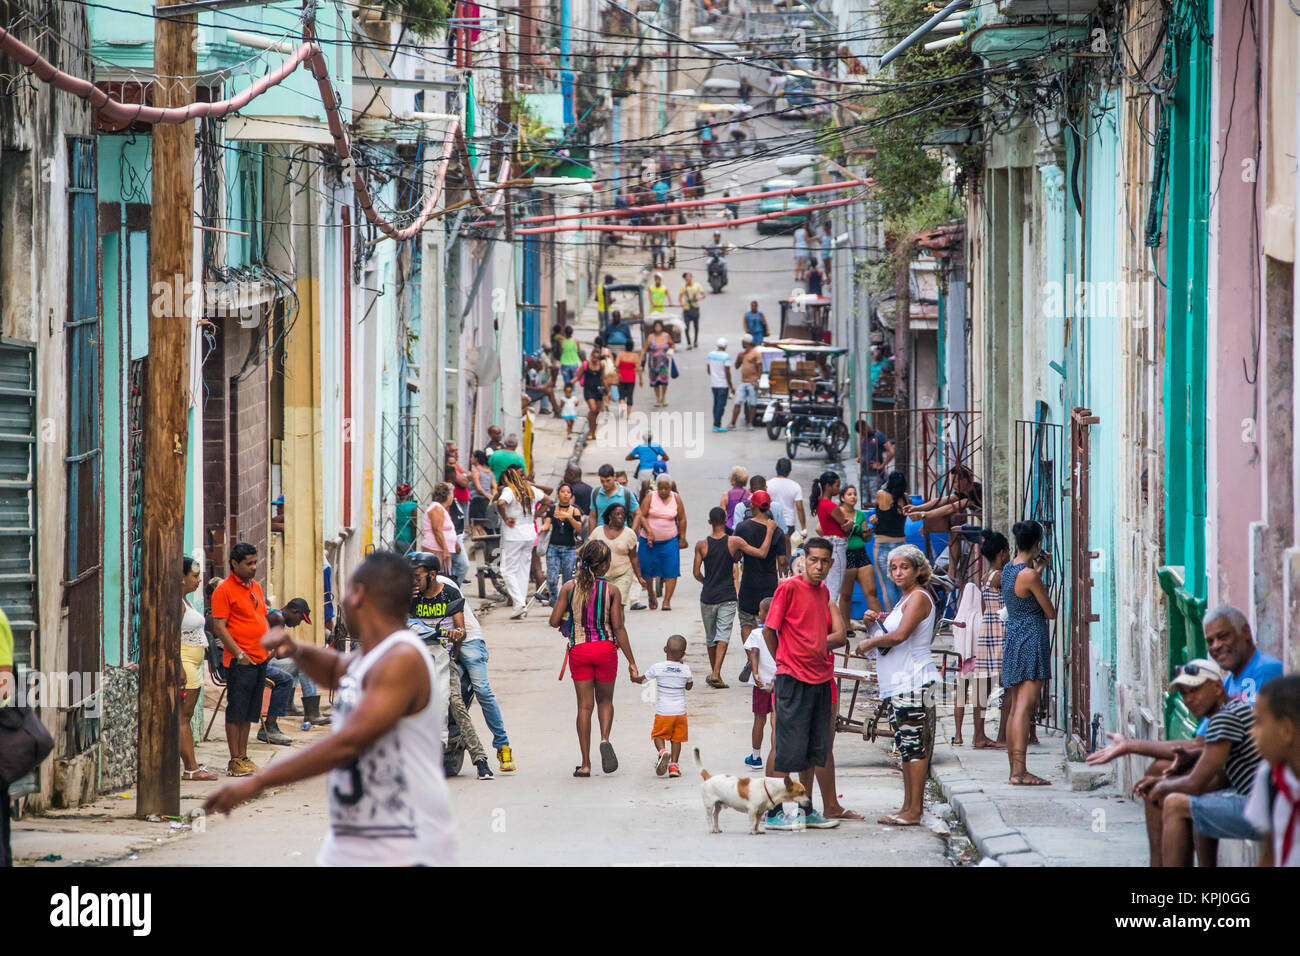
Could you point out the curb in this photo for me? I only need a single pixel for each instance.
(994, 838)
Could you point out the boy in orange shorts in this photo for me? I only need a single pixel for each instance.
(673, 680)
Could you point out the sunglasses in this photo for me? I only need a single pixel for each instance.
(1193, 670)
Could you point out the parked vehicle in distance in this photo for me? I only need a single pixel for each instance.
(773, 204)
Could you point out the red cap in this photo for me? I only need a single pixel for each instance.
(761, 500)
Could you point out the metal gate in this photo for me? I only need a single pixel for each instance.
(1038, 489)
(406, 459)
(82, 582)
(1081, 616)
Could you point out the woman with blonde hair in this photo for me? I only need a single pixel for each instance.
(737, 493)
(906, 674)
(589, 612)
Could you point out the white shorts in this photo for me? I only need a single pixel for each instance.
(747, 394)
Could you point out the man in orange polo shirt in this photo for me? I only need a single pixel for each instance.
(239, 621)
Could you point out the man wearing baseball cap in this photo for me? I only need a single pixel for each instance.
(1181, 804)
(719, 365)
(295, 612)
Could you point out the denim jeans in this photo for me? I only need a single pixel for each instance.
(567, 372)
(281, 682)
(308, 685)
(886, 589)
(560, 562)
(473, 658)
(719, 405)
(460, 564)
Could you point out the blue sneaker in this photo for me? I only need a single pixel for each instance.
(784, 821)
(816, 821)
(754, 763)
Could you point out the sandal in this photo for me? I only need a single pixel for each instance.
(579, 772)
(201, 773)
(851, 815)
(717, 682)
(1028, 779)
(608, 762)
(894, 820)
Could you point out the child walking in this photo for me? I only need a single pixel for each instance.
(673, 678)
(762, 667)
(569, 409)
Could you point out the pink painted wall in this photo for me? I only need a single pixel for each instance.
(1233, 473)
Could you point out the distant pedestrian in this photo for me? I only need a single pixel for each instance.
(407, 520)
(714, 568)
(789, 494)
(569, 409)
(438, 532)
(482, 487)
(661, 521)
(814, 277)
(564, 521)
(651, 459)
(734, 495)
(825, 489)
(755, 323)
(514, 502)
(827, 246)
(875, 456)
(624, 565)
(890, 526)
(800, 251)
(657, 354)
(589, 612)
(750, 363)
(592, 375)
(673, 679)
(987, 669)
(718, 362)
(239, 622)
(581, 490)
(689, 299)
(505, 456)
(857, 566)
(194, 647)
(629, 370)
(570, 354)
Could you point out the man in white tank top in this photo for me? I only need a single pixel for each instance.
(388, 802)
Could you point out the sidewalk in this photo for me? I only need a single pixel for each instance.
(1037, 826)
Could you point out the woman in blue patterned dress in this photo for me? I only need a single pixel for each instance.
(1026, 655)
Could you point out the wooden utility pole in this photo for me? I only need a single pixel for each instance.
(166, 433)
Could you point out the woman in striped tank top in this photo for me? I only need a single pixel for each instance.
(589, 612)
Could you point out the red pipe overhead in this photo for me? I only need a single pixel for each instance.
(681, 227)
(690, 203)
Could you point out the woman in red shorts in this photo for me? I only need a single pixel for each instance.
(589, 611)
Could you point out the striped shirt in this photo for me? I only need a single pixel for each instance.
(592, 622)
(1233, 722)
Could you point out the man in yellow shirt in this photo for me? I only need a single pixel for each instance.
(7, 688)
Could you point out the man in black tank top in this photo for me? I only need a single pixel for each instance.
(715, 564)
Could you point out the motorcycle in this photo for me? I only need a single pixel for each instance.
(453, 755)
(717, 271)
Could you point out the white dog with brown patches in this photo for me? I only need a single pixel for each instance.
(752, 795)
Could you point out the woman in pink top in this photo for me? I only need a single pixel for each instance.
(437, 530)
(661, 521)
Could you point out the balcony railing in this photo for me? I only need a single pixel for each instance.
(1186, 642)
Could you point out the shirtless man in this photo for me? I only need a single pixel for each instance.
(750, 363)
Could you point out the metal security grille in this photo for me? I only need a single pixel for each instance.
(82, 570)
(135, 498)
(17, 501)
(406, 459)
(1038, 457)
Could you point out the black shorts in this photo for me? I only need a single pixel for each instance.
(244, 686)
(803, 724)
(856, 558)
(596, 394)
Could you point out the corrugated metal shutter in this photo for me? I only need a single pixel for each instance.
(17, 500)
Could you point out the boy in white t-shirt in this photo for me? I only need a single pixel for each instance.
(568, 409)
(1273, 808)
(762, 667)
(673, 679)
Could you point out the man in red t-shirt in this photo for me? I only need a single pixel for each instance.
(801, 629)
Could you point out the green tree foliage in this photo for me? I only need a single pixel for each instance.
(427, 19)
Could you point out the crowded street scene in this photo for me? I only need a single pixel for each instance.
(650, 433)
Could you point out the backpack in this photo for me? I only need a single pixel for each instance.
(24, 744)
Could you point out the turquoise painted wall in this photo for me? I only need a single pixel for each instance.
(1102, 347)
